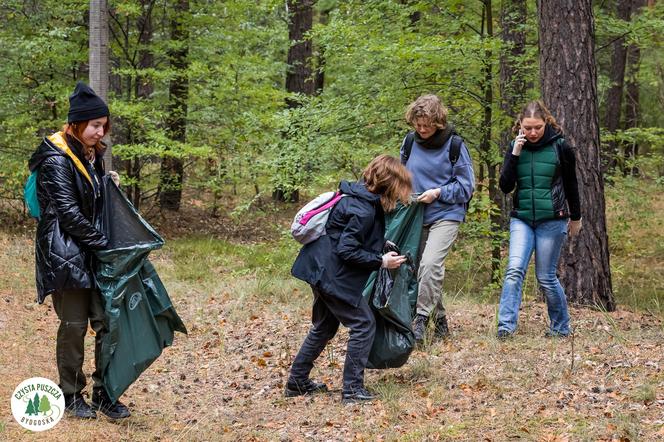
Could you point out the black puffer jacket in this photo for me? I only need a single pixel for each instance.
(69, 203)
(339, 263)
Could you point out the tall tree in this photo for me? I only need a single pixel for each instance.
(632, 101)
(99, 59)
(568, 83)
(513, 83)
(299, 80)
(319, 81)
(132, 55)
(615, 92)
(489, 159)
(172, 166)
(298, 75)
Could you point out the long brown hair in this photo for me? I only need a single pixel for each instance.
(386, 176)
(536, 109)
(76, 130)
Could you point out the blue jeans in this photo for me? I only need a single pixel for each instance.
(547, 240)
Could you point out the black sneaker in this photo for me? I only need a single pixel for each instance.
(300, 388)
(504, 335)
(358, 395)
(102, 402)
(441, 330)
(420, 328)
(76, 406)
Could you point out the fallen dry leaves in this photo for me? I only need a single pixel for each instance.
(225, 380)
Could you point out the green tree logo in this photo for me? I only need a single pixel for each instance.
(31, 409)
(35, 403)
(44, 405)
(38, 404)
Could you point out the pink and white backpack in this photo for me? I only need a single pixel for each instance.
(309, 222)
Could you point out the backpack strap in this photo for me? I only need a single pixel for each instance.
(455, 147)
(408, 145)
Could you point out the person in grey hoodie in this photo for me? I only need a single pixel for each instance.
(445, 183)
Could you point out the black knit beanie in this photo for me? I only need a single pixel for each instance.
(85, 105)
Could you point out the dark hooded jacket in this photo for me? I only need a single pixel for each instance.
(339, 263)
(544, 176)
(70, 202)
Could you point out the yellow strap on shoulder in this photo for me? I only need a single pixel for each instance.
(59, 140)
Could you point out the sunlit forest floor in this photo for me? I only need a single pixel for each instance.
(246, 317)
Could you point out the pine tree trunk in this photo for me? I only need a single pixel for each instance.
(99, 60)
(615, 92)
(298, 75)
(569, 87)
(319, 81)
(632, 111)
(143, 89)
(488, 157)
(299, 78)
(172, 167)
(513, 86)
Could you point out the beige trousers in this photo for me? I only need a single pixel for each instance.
(436, 241)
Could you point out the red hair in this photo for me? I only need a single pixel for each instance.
(76, 130)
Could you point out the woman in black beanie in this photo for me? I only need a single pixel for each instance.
(69, 188)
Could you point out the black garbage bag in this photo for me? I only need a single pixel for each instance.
(140, 316)
(385, 279)
(394, 339)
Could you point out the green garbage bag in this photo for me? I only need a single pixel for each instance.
(140, 316)
(394, 340)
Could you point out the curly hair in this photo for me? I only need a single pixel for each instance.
(429, 107)
(536, 109)
(386, 176)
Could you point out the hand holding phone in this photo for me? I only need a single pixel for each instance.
(518, 142)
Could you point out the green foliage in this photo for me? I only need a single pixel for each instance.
(241, 139)
(201, 259)
(636, 241)
(43, 45)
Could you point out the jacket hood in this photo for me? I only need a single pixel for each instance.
(550, 135)
(45, 150)
(56, 144)
(359, 190)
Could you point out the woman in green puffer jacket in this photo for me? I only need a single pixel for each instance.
(540, 167)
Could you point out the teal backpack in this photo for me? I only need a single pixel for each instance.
(30, 195)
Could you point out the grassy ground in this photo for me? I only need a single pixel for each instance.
(247, 317)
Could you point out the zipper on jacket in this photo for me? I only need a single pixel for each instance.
(532, 184)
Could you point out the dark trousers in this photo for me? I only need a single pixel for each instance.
(74, 308)
(326, 314)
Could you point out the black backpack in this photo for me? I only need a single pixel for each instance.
(455, 147)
